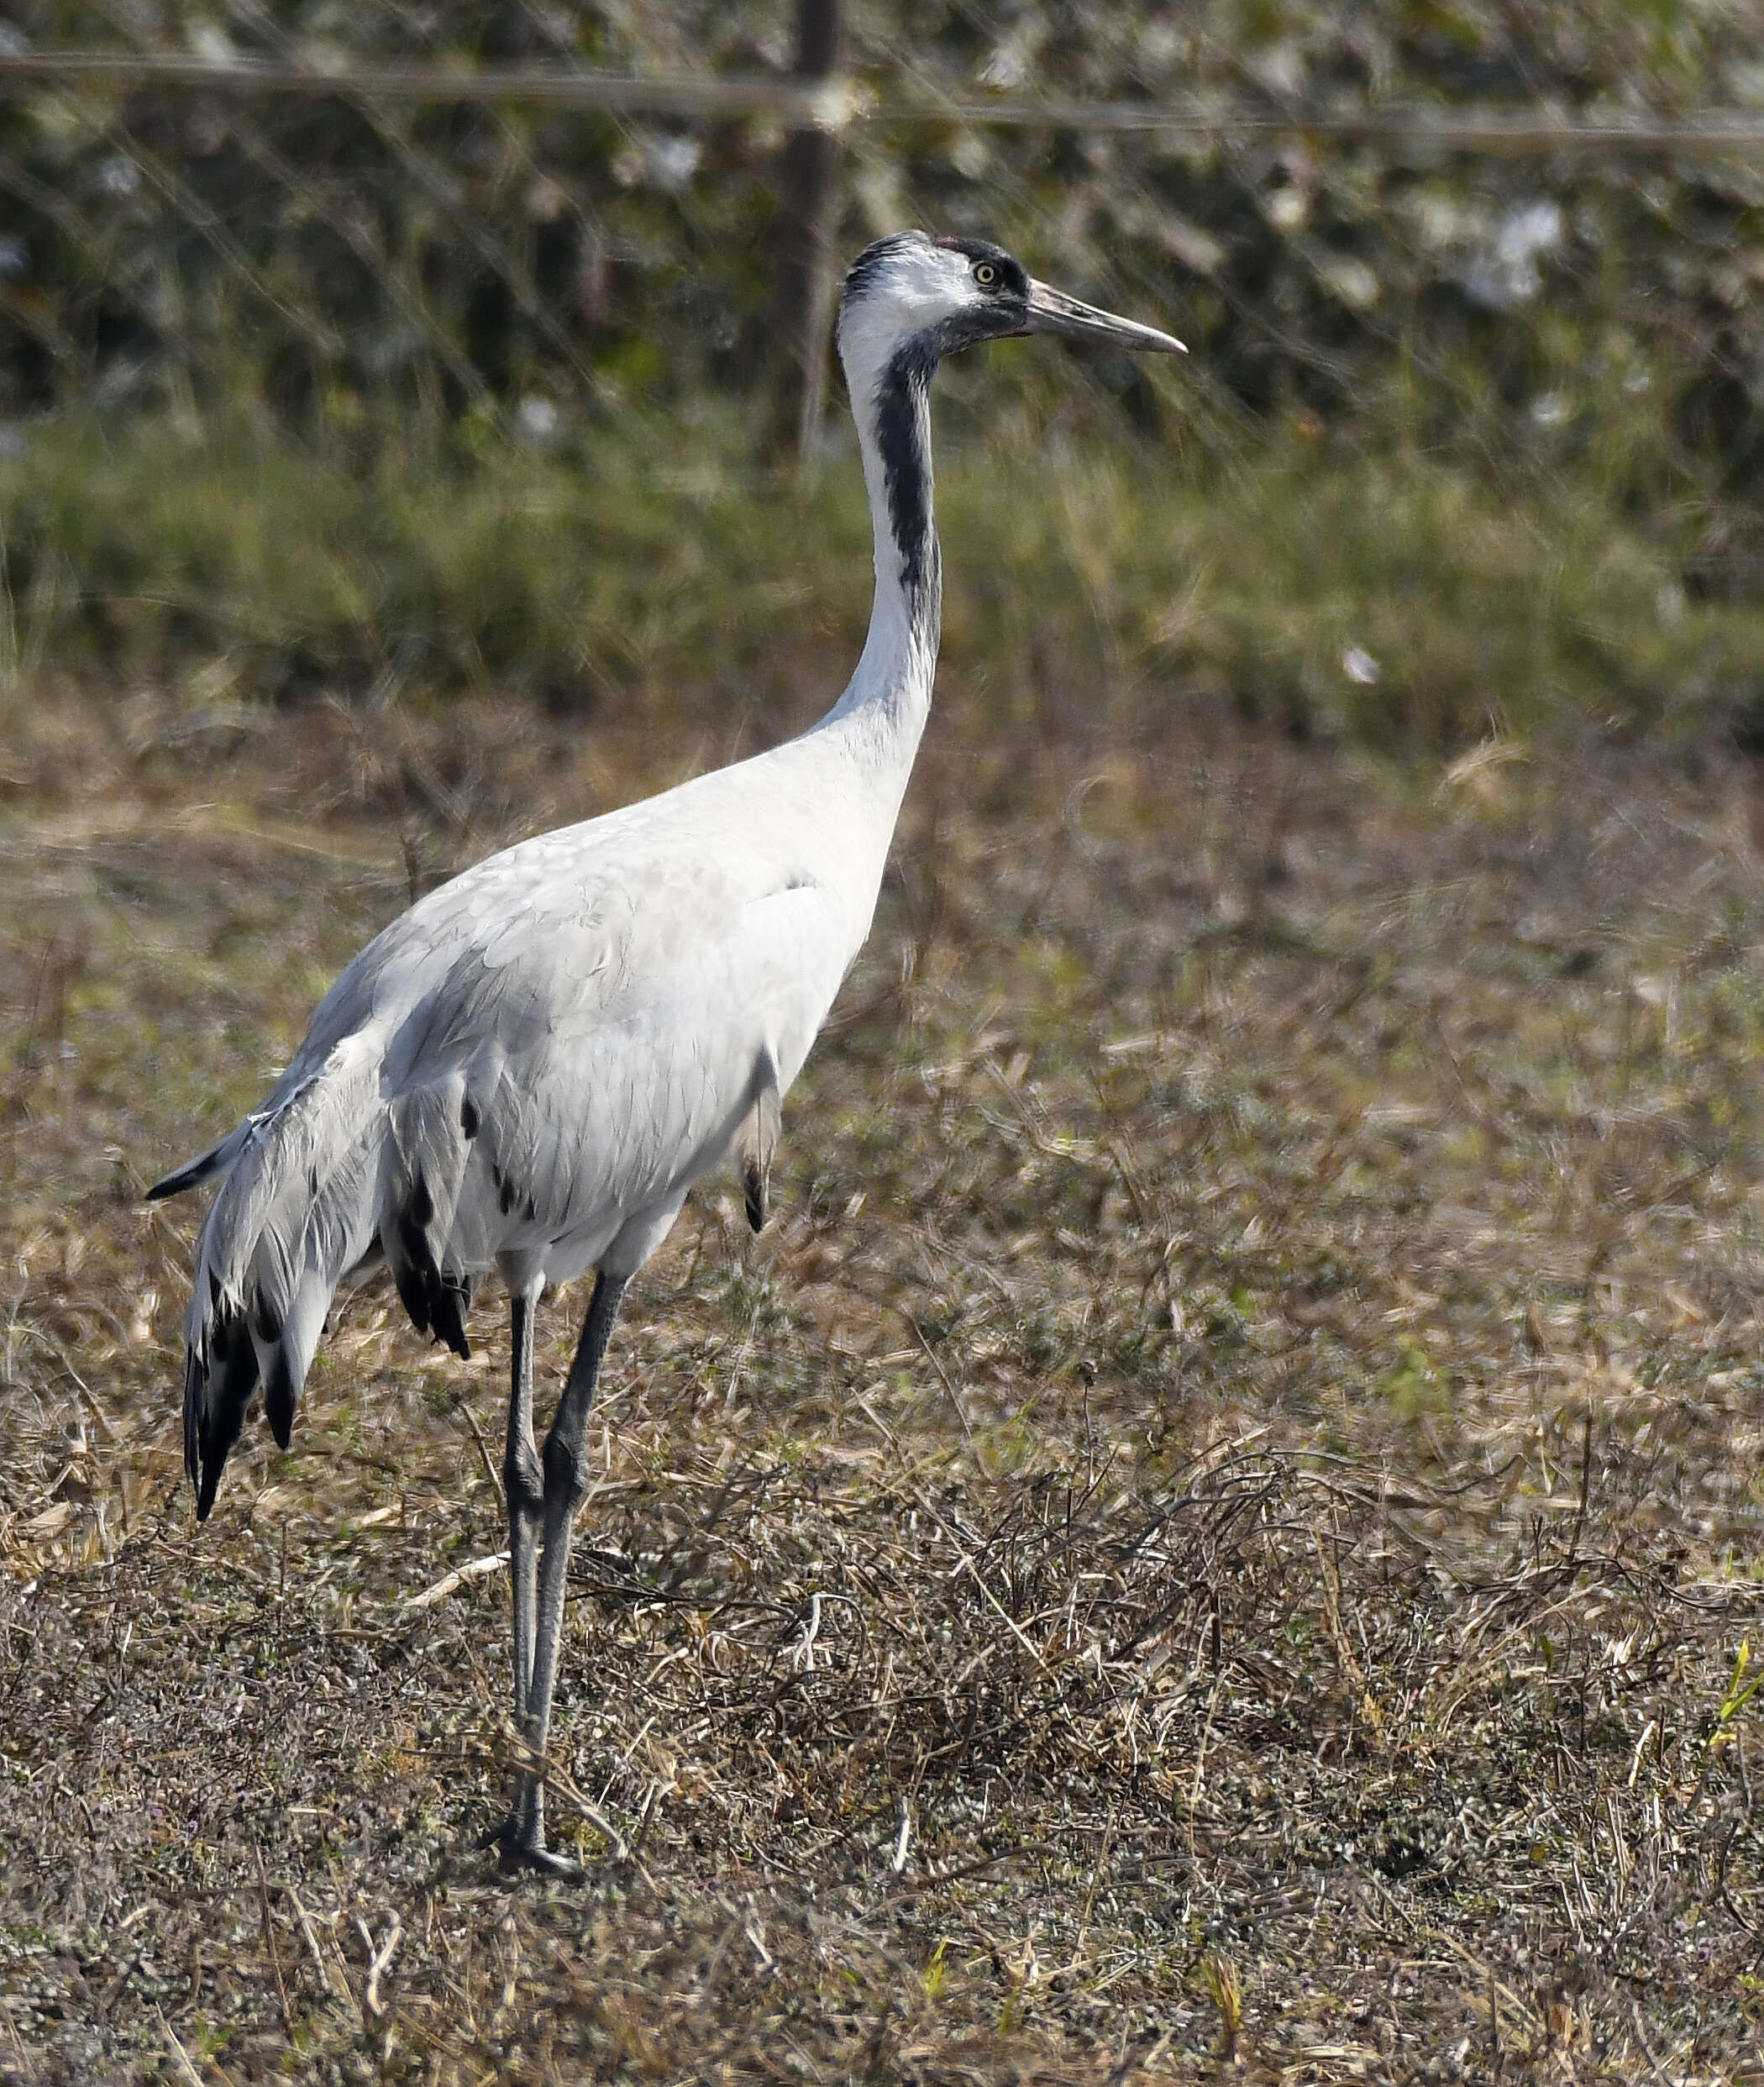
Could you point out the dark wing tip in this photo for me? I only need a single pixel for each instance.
(279, 1400)
(449, 1302)
(216, 1393)
(191, 1175)
(212, 1465)
(413, 1294)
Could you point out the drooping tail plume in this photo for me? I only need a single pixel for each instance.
(296, 1210)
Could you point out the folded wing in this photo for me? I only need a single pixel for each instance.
(512, 1077)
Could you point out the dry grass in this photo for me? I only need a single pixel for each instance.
(1218, 1528)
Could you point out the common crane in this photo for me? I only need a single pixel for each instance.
(527, 1071)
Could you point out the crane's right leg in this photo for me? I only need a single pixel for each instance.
(523, 1483)
(523, 1488)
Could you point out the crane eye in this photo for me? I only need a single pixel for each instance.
(985, 274)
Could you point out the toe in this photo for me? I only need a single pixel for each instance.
(534, 1858)
(520, 1845)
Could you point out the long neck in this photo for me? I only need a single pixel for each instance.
(889, 698)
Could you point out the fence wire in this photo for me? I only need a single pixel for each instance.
(355, 222)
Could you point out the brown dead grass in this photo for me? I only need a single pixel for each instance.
(1218, 1528)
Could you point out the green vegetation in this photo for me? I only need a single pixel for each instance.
(660, 564)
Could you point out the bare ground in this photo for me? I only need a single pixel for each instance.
(1217, 1529)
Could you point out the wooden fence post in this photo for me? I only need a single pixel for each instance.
(809, 182)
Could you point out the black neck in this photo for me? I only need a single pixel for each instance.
(903, 440)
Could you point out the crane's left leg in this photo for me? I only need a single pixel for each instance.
(522, 1839)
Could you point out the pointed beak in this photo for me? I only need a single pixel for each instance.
(1052, 312)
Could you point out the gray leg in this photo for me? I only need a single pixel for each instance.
(523, 1838)
(524, 1483)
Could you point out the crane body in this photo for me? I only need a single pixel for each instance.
(527, 1072)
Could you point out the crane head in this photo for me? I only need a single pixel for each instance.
(938, 295)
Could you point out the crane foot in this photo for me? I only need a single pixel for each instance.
(519, 1847)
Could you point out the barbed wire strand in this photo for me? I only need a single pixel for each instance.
(839, 104)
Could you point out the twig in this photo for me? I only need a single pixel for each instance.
(24, 2056)
(827, 104)
(1003, 1614)
(179, 2056)
(1654, 2065)
(566, 1786)
(881, 1426)
(931, 1880)
(1207, 1733)
(834, 103)
(802, 1653)
(491, 1471)
(372, 2006)
(1493, 2023)
(326, 1975)
(954, 1396)
(281, 1990)
(903, 1840)
(450, 1582)
(1586, 1488)
(1102, 1856)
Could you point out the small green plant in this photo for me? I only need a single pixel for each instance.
(1738, 1695)
(1413, 1383)
(1219, 1979)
